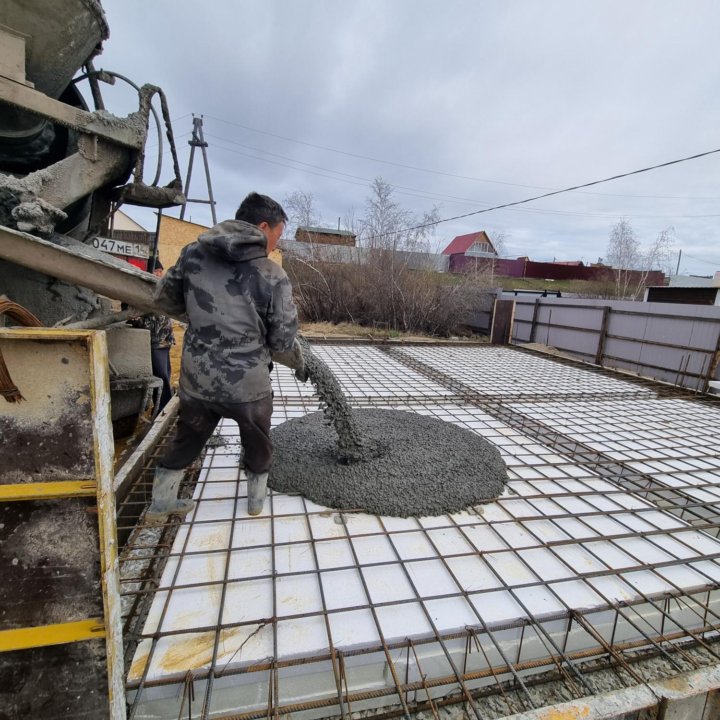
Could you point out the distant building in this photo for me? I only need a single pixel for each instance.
(325, 236)
(477, 244)
(124, 223)
(687, 290)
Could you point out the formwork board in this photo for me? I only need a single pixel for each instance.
(668, 342)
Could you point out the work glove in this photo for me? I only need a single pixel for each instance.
(293, 358)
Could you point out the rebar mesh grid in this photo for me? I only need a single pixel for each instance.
(579, 565)
(504, 373)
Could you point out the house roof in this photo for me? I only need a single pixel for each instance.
(681, 286)
(325, 231)
(691, 281)
(122, 221)
(462, 243)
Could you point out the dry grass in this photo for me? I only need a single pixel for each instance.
(379, 332)
(382, 294)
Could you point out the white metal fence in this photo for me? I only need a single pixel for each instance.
(679, 344)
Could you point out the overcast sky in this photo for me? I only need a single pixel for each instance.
(462, 104)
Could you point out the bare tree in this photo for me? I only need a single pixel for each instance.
(499, 240)
(301, 209)
(391, 233)
(386, 287)
(631, 263)
(390, 286)
(623, 253)
(388, 226)
(656, 256)
(350, 222)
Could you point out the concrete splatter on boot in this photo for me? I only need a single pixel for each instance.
(257, 489)
(164, 496)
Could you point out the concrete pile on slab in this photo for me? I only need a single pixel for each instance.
(413, 465)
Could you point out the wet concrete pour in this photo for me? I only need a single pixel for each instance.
(415, 465)
(350, 444)
(386, 462)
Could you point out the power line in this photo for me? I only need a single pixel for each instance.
(441, 172)
(707, 262)
(364, 157)
(415, 192)
(550, 194)
(154, 143)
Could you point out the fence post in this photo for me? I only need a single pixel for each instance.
(603, 335)
(502, 322)
(712, 366)
(533, 324)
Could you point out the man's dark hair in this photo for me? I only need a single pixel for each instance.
(256, 208)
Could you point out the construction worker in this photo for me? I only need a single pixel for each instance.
(162, 339)
(240, 312)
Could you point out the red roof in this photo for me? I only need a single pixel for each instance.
(462, 243)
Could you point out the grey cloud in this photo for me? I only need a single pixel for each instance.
(541, 94)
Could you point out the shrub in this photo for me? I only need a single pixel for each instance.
(383, 291)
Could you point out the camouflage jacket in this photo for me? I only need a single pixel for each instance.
(160, 327)
(239, 310)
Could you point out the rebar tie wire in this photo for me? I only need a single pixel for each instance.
(24, 317)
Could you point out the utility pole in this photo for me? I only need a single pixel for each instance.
(677, 269)
(198, 140)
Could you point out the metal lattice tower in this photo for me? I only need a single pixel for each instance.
(198, 141)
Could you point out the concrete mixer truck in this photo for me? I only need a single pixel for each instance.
(69, 383)
(64, 168)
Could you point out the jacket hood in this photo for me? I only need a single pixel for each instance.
(236, 240)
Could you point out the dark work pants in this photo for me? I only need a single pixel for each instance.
(197, 420)
(161, 368)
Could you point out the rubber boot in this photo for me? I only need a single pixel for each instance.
(164, 495)
(257, 489)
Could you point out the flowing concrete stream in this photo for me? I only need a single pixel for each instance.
(386, 462)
